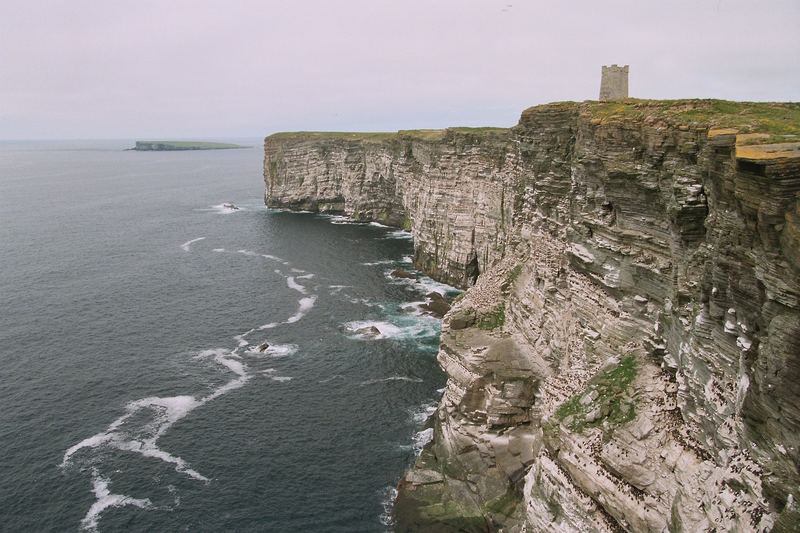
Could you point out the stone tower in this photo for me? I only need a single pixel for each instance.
(614, 83)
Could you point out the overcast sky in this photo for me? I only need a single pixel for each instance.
(201, 68)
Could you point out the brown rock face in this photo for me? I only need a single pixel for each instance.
(629, 356)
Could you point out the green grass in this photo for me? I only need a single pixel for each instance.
(425, 135)
(481, 131)
(493, 319)
(777, 119)
(420, 134)
(610, 386)
(338, 135)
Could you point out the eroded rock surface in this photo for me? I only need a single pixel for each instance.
(629, 356)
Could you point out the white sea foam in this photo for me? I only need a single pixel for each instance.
(105, 500)
(223, 210)
(429, 285)
(187, 245)
(295, 286)
(387, 330)
(414, 308)
(275, 350)
(240, 338)
(407, 259)
(379, 225)
(218, 250)
(421, 438)
(145, 420)
(164, 412)
(336, 289)
(251, 253)
(390, 378)
(402, 327)
(303, 307)
(366, 302)
(389, 495)
(422, 413)
(280, 350)
(399, 234)
(338, 219)
(423, 284)
(382, 262)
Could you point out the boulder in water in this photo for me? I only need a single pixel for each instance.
(436, 305)
(369, 331)
(402, 274)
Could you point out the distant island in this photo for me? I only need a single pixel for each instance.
(162, 146)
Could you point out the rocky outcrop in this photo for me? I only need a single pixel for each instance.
(629, 356)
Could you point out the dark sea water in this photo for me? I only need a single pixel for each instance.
(131, 396)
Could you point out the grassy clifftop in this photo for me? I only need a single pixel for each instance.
(777, 121)
(379, 136)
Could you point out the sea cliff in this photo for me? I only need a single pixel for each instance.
(627, 355)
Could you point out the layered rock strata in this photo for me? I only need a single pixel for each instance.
(628, 357)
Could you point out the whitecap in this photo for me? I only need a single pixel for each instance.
(429, 285)
(389, 495)
(251, 253)
(303, 307)
(275, 350)
(382, 262)
(224, 209)
(414, 308)
(423, 284)
(105, 500)
(336, 289)
(292, 284)
(218, 250)
(335, 376)
(240, 338)
(185, 246)
(399, 234)
(421, 438)
(338, 219)
(407, 259)
(386, 329)
(281, 379)
(379, 225)
(164, 412)
(390, 378)
(365, 302)
(421, 414)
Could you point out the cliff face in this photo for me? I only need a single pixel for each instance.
(629, 356)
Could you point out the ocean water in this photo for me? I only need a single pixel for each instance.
(132, 392)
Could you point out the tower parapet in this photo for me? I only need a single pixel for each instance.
(614, 83)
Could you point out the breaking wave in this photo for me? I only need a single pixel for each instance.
(187, 245)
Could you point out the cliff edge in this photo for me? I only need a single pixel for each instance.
(627, 356)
